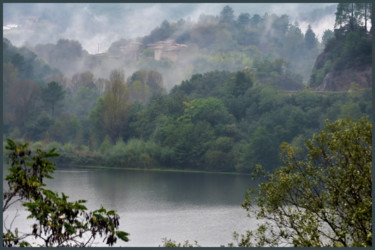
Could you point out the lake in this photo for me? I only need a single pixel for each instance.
(156, 205)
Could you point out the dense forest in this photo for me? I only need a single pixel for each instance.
(240, 86)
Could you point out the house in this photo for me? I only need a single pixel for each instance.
(167, 49)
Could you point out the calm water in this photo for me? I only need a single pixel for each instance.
(156, 205)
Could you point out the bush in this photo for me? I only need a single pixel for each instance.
(137, 153)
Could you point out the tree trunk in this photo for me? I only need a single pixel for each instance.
(352, 19)
(366, 17)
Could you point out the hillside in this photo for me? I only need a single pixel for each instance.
(342, 80)
(179, 49)
(347, 57)
(239, 98)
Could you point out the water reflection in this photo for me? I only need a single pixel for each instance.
(153, 205)
(142, 190)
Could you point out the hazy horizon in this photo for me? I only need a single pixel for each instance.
(97, 25)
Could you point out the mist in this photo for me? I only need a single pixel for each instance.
(97, 26)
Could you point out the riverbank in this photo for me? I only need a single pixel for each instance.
(157, 170)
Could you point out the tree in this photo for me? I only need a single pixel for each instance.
(351, 15)
(111, 113)
(85, 79)
(52, 95)
(153, 79)
(239, 83)
(255, 20)
(244, 19)
(20, 99)
(172, 243)
(209, 109)
(139, 91)
(59, 222)
(226, 15)
(328, 34)
(344, 14)
(320, 199)
(280, 25)
(310, 38)
(364, 13)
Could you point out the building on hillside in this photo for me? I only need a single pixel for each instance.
(131, 50)
(167, 49)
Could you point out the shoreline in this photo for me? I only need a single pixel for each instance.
(170, 170)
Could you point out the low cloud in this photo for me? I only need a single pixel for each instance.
(99, 25)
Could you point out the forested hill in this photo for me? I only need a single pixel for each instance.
(179, 49)
(238, 102)
(347, 57)
(27, 64)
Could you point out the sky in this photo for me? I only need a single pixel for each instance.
(97, 26)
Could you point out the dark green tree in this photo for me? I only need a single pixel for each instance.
(52, 95)
(239, 83)
(59, 222)
(344, 14)
(350, 16)
(364, 11)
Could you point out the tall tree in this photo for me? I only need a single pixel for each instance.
(351, 15)
(112, 111)
(52, 95)
(310, 38)
(364, 13)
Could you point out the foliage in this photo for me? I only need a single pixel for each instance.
(36, 129)
(27, 63)
(348, 52)
(189, 124)
(243, 91)
(66, 55)
(226, 15)
(351, 16)
(111, 113)
(321, 199)
(52, 95)
(172, 243)
(328, 34)
(59, 222)
(310, 40)
(351, 45)
(203, 85)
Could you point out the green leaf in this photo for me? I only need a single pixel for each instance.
(11, 145)
(101, 210)
(111, 212)
(123, 235)
(69, 228)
